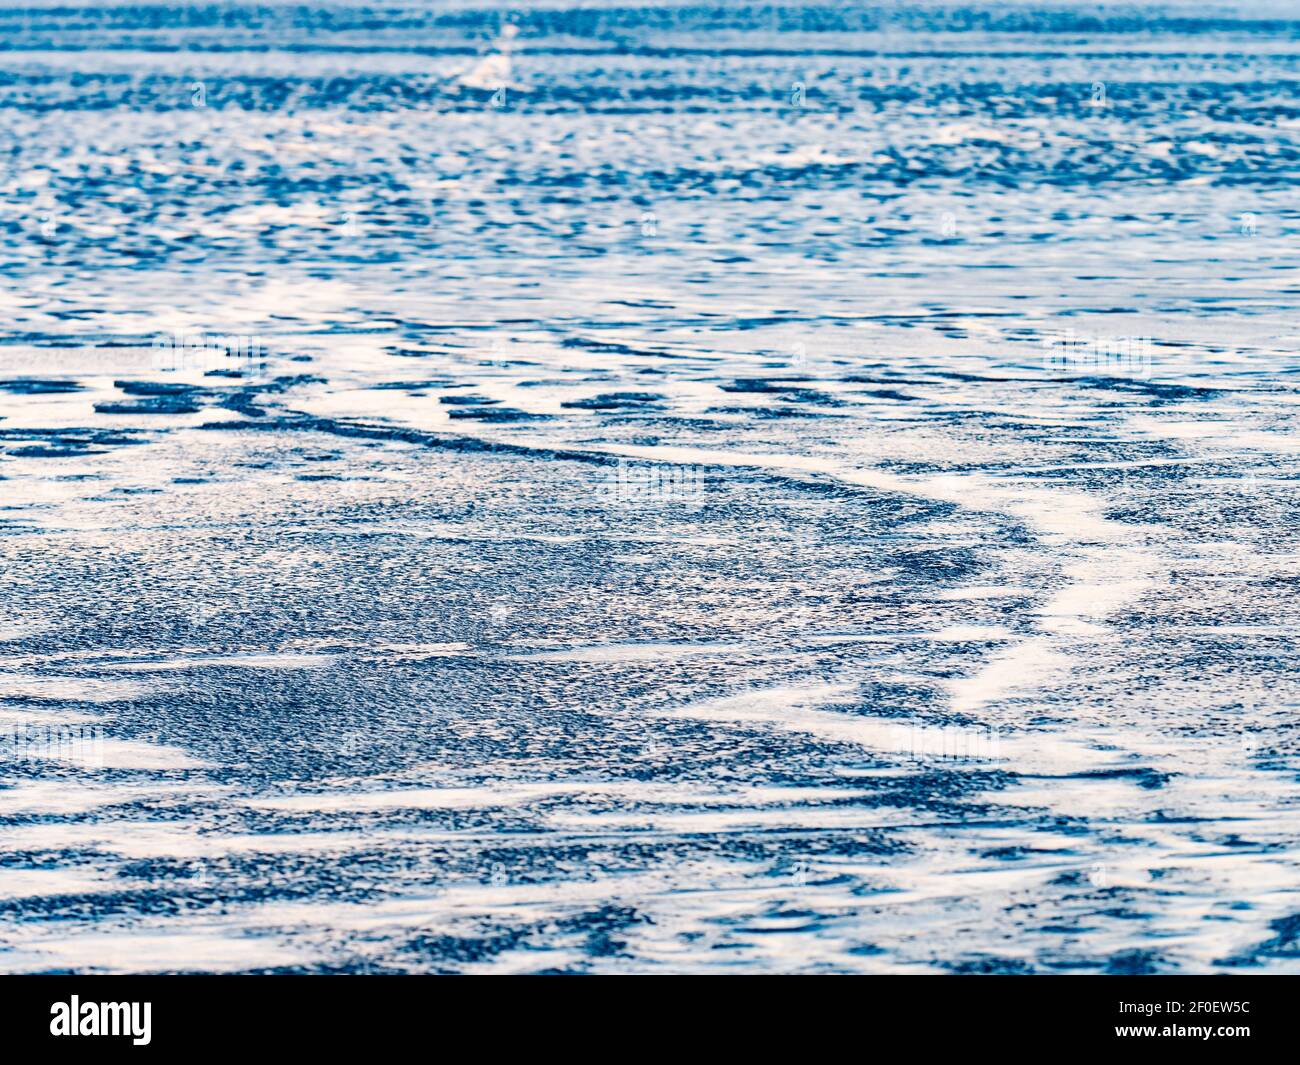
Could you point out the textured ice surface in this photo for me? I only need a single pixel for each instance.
(673, 487)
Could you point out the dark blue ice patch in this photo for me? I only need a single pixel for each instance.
(468, 401)
(498, 415)
(168, 404)
(69, 442)
(615, 401)
(1159, 390)
(157, 388)
(31, 386)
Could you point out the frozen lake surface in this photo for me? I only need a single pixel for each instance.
(569, 487)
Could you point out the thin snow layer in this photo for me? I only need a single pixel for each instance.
(563, 489)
